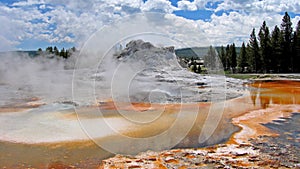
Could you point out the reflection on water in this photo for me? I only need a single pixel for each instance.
(272, 101)
(279, 92)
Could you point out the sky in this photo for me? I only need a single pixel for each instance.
(33, 24)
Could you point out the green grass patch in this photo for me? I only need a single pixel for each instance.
(241, 76)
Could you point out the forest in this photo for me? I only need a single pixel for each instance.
(266, 52)
(54, 51)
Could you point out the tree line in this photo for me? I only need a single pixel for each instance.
(266, 52)
(64, 53)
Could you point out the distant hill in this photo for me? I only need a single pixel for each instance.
(196, 52)
(29, 53)
(193, 52)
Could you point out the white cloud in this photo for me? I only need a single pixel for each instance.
(7, 44)
(18, 24)
(187, 5)
(163, 6)
(11, 31)
(130, 3)
(28, 3)
(195, 5)
(235, 27)
(295, 22)
(76, 20)
(71, 21)
(259, 6)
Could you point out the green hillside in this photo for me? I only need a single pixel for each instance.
(193, 52)
(196, 52)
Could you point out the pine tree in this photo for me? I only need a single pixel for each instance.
(242, 60)
(255, 59)
(210, 58)
(287, 30)
(227, 58)
(66, 54)
(62, 52)
(193, 67)
(265, 46)
(73, 49)
(296, 46)
(49, 49)
(276, 43)
(199, 69)
(40, 51)
(223, 57)
(233, 57)
(249, 58)
(55, 50)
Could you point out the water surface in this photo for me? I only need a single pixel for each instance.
(51, 134)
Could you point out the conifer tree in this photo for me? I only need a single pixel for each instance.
(40, 51)
(66, 55)
(210, 58)
(55, 50)
(62, 52)
(287, 30)
(242, 60)
(255, 59)
(276, 43)
(223, 57)
(49, 49)
(296, 47)
(233, 57)
(249, 58)
(227, 58)
(265, 46)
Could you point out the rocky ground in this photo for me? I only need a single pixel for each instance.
(263, 152)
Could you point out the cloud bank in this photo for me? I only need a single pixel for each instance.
(58, 21)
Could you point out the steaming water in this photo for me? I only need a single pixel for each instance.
(139, 73)
(22, 77)
(47, 124)
(145, 74)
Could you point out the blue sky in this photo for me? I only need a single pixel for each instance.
(31, 24)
